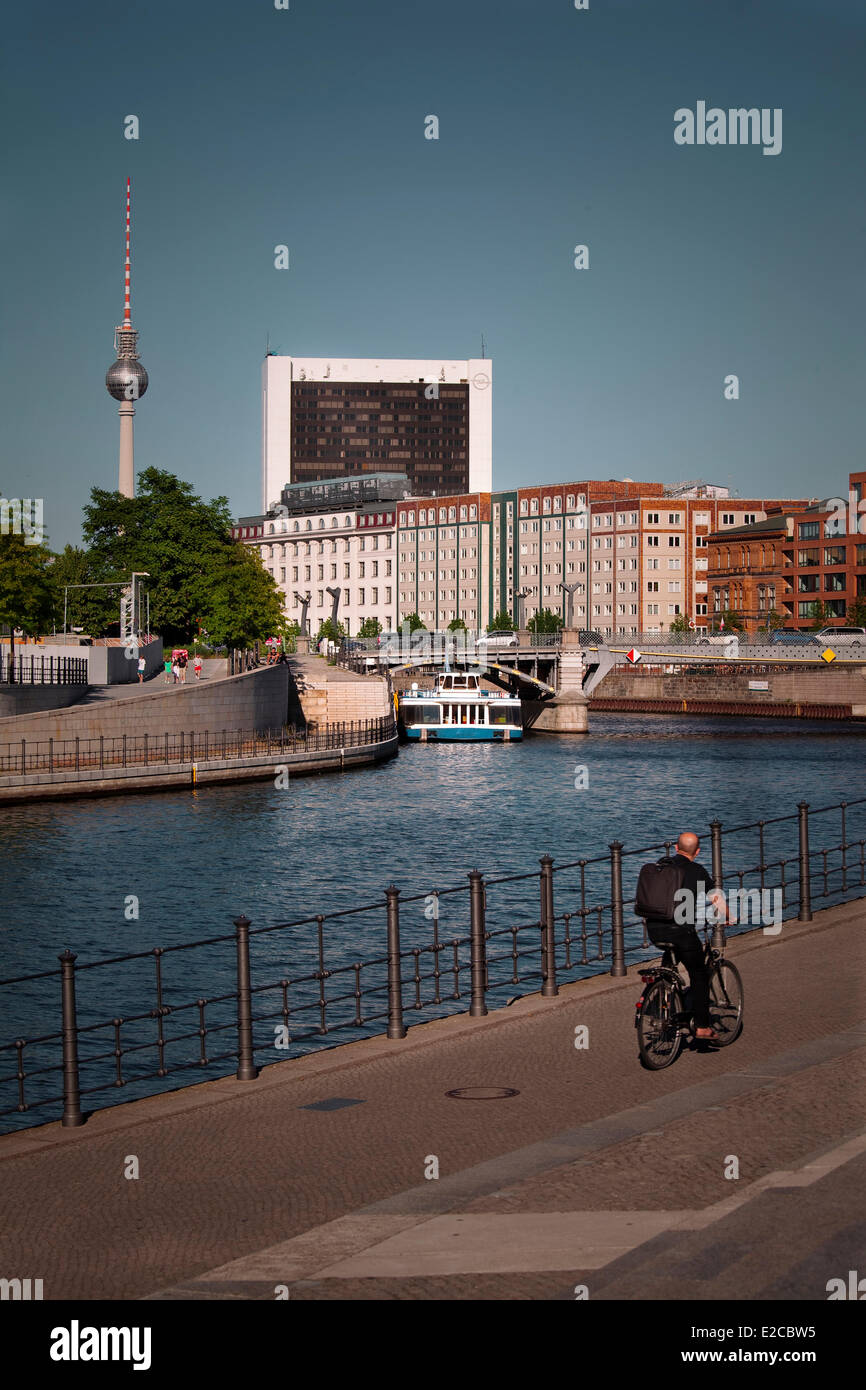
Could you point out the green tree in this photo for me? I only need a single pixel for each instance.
(501, 622)
(186, 547)
(456, 625)
(85, 608)
(819, 614)
(28, 595)
(733, 621)
(242, 604)
(370, 627)
(330, 631)
(415, 623)
(545, 620)
(856, 614)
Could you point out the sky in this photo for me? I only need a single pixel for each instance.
(306, 127)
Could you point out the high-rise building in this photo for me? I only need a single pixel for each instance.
(430, 418)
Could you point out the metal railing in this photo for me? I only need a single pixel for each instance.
(43, 670)
(149, 750)
(533, 928)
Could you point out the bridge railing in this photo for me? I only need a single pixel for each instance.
(262, 993)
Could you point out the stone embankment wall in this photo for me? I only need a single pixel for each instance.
(30, 699)
(833, 686)
(331, 695)
(257, 700)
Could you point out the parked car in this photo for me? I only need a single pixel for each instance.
(842, 636)
(498, 639)
(793, 636)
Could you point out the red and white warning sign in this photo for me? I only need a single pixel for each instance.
(633, 656)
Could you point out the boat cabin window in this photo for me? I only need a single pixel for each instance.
(422, 714)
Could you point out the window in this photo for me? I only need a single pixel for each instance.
(673, 518)
(652, 586)
(673, 540)
(652, 518)
(652, 540)
(728, 519)
(808, 530)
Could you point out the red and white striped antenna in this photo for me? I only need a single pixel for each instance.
(127, 321)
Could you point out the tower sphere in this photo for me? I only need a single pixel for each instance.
(121, 376)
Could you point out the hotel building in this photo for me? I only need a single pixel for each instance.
(430, 418)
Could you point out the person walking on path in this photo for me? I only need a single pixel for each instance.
(181, 661)
(175, 670)
(680, 930)
(142, 667)
(167, 665)
(197, 667)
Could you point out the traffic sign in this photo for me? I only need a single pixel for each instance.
(633, 656)
(828, 655)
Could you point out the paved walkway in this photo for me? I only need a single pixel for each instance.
(596, 1176)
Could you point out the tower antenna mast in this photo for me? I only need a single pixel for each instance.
(126, 379)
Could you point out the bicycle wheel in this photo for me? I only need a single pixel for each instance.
(659, 1037)
(726, 1002)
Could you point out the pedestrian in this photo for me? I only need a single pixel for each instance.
(167, 665)
(181, 661)
(142, 666)
(198, 667)
(175, 670)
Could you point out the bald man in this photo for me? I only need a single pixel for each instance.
(688, 947)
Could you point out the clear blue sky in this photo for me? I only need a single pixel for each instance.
(306, 127)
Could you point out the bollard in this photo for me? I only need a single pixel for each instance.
(805, 913)
(72, 1115)
(477, 945)
(718, 940)
(396, 1026)
(246, 1067)
(549, 987)
(617, 931)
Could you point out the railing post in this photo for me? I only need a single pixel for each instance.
(618, 966)
(477, 945)
(396, 1026)
(72, 1115)
(51, 755)
(718, 939)
(246, 1066)
(548, 943)
(805, 913)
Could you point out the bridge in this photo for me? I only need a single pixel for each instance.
(554, 674)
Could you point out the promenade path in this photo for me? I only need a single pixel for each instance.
(597, 1174)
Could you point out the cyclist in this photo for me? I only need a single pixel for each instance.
(688, 948)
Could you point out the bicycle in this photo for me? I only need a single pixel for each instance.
(663, 1021)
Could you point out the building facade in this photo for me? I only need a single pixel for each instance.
(429, 418)
(349, 546)
(805, 561)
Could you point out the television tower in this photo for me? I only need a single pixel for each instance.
(126, 379)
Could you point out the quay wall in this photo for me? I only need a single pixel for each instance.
(257, 701)
(823, 687)
(16, 700)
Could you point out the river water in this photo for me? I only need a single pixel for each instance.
(76, 874)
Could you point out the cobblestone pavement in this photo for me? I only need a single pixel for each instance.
(597, 1174)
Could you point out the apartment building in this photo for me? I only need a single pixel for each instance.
(444, 551)
(802, 555)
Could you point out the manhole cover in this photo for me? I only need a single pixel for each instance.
(482, 1093)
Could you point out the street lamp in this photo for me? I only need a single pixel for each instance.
(137, 574)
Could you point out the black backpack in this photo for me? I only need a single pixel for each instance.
(657, 885)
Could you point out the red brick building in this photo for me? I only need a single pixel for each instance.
(795, 559)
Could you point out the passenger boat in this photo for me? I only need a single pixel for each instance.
(460, 709)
